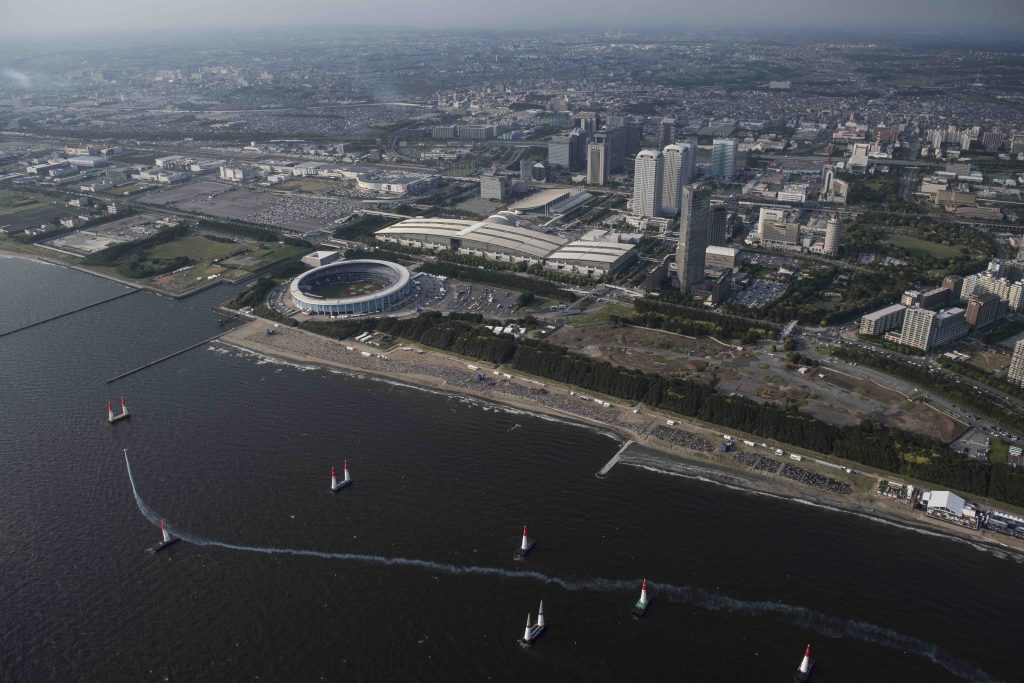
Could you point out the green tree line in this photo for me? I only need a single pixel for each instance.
(868, 443)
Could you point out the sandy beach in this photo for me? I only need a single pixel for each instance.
(684, 448)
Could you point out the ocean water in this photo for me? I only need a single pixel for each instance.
(408, 574)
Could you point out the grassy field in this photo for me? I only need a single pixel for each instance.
(13, 202)
(196, 248)
(990, 362)
(999, 452)
(349, 289)
(310, 185)
(600, 317)
(7, 244)
(917, 246)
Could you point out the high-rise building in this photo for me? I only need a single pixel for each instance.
(828, 172)
(597, 163)
(525, 170)
(615, 139)
(719, 225)
(674, 178)
(723, 158)
(694, 222)
(1017, 144)
(833, 235)
(950, 325)
(925, 330)
(666, 131)
(647, 182)
(631, 134)
(954, 283)
(918, 332)
(982, 310)
(587, 120)
(992, 141)
(1016, 372)
(935, 298)
(881, 321)
(493, 186)
(568, 151)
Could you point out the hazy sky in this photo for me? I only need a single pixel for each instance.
(82, 17)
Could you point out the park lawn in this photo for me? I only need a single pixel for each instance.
(196, 248)
(918, 246)
(13, 202)
(990, 362)
(999, 451)
(602, 316)
(270, 252)
(310, 185)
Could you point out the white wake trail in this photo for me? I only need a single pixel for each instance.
(824, 624)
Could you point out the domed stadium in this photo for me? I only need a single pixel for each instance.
(352, 288)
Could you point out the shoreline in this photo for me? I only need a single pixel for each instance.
(426, 369)
(40, 258)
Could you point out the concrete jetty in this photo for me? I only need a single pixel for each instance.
(64, 315)
(603, 472)
(167, 357)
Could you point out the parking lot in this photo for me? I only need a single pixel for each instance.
(467, 297)
(973, 443)
(759, 293)
(291, 211)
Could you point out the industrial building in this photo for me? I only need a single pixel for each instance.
(498, 238)
(556, 202)
(507, 237)
(594, 259)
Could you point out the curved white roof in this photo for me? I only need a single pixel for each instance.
(401, 280)
(498, 234)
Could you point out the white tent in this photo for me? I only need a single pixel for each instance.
(947, 501)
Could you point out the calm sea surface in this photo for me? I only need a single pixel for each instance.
(408, 574)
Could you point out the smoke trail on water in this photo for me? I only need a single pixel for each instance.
(825, 624)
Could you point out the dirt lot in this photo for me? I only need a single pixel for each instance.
(754, 372)
(647, 350)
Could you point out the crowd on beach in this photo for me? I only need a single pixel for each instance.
(814, 479)
(470, 378)
(682, 438)
(757, 462)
